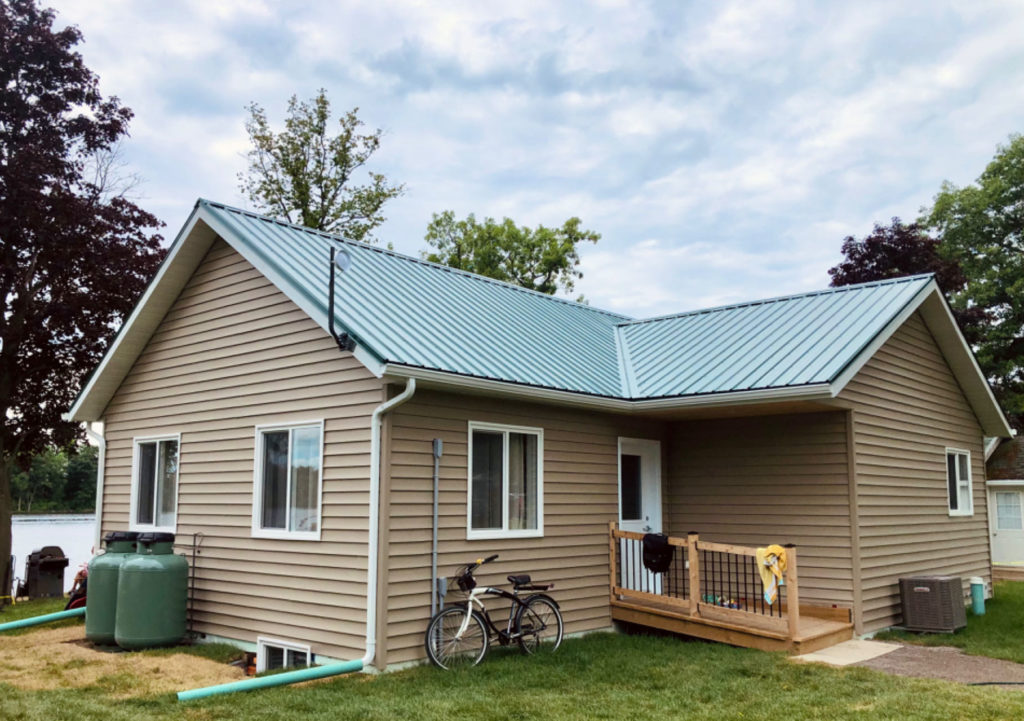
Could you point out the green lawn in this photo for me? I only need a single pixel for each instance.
(601, 676)
(26, 609)
(999, 633)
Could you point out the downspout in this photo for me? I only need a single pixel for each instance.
(438, 448)
(373, 551)
(100, 441)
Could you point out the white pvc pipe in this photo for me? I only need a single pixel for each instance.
(100, 441)
(373, 549)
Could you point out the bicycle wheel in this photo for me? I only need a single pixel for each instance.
(446, 649)
(539, 626)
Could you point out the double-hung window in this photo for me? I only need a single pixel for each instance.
(958, 482)
(154, 494)
(287, 483)
(506, 481)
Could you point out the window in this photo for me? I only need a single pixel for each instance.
(1008, 511)
(272, 654)
(286, 492)
(154, 494)
(506, 480)
(958, 482)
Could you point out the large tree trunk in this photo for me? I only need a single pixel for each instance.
(6, 574)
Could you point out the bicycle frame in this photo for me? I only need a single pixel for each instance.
(508, 635)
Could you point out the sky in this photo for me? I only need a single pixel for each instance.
(723, 150)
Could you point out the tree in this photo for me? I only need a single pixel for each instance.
(305, 176)
(80, 479)
(899, 250)
(982, 227)
(543, 259)
(74, 256)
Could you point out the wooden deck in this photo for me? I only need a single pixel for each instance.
(710, 593)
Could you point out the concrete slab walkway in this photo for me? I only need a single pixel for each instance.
(941, 662)
(848, 653)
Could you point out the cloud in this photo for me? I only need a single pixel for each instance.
(723, 150)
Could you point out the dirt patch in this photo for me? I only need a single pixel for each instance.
(950, 664)
(62, 658)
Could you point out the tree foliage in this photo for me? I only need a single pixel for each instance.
(981, 226)
(542, 259)
(901, 249)
(307, 176)
(74, 256)
(57, 480)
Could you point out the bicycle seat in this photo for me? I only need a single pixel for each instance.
(521, 579)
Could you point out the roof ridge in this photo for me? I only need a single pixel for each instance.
(782, 298)
(411, 258)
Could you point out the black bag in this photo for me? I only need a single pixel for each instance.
(657, 552)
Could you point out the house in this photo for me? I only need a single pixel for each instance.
(1004, 471)
(849, 422)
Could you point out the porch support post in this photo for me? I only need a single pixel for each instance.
(694, 558)
(612, 526)
(792, 592)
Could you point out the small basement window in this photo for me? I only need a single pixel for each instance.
(958, 482)
(272, 654)
(287, 483)
(506, 481)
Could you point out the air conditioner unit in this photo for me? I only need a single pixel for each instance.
(933, 603)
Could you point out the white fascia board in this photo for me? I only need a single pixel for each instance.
(991, 444)
(820, 391)
(183, 257)
(317, 314)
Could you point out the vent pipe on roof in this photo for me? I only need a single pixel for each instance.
(341, 260)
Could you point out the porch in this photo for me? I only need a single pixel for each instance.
(714, 591)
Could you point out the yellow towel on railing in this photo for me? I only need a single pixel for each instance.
(771, 564)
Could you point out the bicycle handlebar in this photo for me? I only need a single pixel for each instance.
(482, 561)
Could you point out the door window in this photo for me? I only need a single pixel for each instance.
(1008, 511)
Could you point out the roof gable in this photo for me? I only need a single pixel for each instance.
(408, 315)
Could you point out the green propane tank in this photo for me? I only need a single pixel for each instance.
(104, 569)
(152, 595)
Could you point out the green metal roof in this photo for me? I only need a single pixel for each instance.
(409, 312)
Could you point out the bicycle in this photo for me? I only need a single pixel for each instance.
(460, 635)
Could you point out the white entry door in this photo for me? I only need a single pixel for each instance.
(639, 508)
(1007, 525)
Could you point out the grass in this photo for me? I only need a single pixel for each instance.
(27, 609)
(996, 634)
(601, 676)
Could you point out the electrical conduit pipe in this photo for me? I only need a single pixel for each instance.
(47, 618)
(373, 552)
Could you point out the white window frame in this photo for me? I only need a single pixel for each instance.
(257, 484)
(504, 531)
(133, 516)
(262, 643)
(959, 512)
(995, 508)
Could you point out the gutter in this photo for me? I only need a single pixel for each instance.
(373, 549)
(100, 441)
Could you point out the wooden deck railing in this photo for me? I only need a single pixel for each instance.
(716, 581)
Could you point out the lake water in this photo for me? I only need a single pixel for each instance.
(75, 534)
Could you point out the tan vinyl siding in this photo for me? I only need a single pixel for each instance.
(232, 353)
(772, 479)
(908, 408)
(580, 498)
